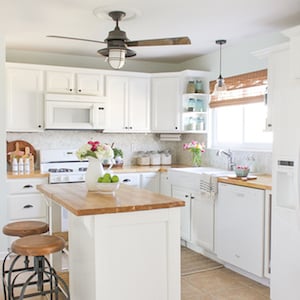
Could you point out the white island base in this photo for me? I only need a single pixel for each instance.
(125, 256)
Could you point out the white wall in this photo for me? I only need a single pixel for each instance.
(32, 57)
(237, 58)
(3, 188)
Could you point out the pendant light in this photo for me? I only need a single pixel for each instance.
(220, 85)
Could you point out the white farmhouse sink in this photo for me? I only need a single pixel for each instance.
(190, 177)
(204, 170)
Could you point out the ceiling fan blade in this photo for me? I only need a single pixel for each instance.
(74, 38)
(160, 42)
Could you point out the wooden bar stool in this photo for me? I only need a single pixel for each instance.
(24, 228)
(19, 229)
(42, 273)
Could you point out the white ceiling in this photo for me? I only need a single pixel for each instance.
(25, 24)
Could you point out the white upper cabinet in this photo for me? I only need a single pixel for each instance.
(166, 95)
(24, 99)
(172, 108)
(128, 101)
(70, 82)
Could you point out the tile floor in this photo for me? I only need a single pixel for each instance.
(220, 284)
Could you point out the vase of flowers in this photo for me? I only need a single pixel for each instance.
(95, 153)
(197, 149)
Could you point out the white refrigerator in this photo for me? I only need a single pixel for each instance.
(285, 241)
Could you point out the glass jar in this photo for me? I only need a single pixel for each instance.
(200, 124)
(191, 104)
(198, 86)
(199, 105)
(190, 87)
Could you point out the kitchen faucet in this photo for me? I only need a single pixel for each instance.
(231, 164)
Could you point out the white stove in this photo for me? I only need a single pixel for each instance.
(62, 165)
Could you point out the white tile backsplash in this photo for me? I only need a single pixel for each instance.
(131, 143)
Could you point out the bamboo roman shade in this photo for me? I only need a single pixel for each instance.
(241, 89)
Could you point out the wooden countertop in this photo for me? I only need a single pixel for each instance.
(125, 169)
(263, 182)
(36, 174)
(76, 199)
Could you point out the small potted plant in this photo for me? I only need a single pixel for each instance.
(118, 157)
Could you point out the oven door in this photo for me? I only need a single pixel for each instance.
(74, 115)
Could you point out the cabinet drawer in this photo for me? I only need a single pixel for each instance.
(26, 207)
(130, 178)
(25, 186)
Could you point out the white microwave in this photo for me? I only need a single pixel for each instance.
(74, 112)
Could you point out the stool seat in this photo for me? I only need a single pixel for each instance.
(25, 228)
(38, 245)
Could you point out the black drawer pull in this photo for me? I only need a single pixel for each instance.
(28, 186)
(28, 206)
(126, 180)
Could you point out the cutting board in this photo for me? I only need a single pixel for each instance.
(19, 148)
(249, 177)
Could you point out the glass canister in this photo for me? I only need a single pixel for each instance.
(166, 157)
(143, 159)
(198, 86)
(154, 158)
(191, 104)
(191, 125)
(199, 105)
(200, 125)
(190, 89)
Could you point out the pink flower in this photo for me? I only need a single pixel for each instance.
(94, 145)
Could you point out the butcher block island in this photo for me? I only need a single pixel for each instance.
(121, 246)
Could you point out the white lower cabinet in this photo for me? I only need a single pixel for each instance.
(165, 185)
(150, 181)
(25, 201)
(185, 212)
(130, 178)
(240, 223)
(203, 220)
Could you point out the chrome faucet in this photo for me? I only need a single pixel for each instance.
(231, 164)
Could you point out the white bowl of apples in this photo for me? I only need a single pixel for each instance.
(108, 183)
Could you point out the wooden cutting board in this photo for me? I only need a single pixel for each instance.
(249, 177)
(19, 146)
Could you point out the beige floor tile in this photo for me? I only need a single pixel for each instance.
(213, 281)
(244, 293)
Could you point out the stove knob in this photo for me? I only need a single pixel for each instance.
(57, 179)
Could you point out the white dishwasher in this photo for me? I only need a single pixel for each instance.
(240, 227)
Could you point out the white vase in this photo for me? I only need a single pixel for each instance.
(93, 172)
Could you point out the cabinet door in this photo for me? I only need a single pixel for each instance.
(138, 117)
(116, 92)
(185, 212)
(240, 227)
(202, 224)
(165, 185)
(150, 181)
(24, 99)
(89, 84)
(165, 104)
(60, 82)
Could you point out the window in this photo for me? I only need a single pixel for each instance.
(239, 114)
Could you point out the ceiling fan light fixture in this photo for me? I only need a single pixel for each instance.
(220, 85)
(116, 57)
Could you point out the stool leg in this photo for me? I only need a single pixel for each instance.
(43, 268)
(3, 275)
